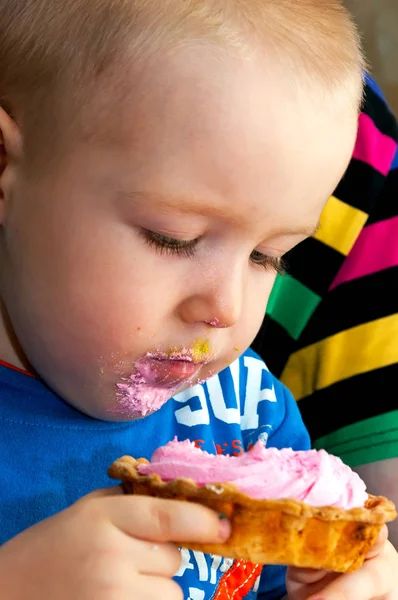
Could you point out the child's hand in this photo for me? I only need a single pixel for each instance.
(107, 546)
(377, 579)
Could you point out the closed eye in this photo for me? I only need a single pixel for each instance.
(270, 263)
(187, 249)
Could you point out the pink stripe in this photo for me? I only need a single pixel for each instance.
(373, 147)
(376, 249)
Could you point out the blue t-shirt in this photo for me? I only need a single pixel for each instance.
(52, 454)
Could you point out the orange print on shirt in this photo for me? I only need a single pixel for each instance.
(238, 581)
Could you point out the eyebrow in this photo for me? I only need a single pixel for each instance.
(196, 206)
(307, 230)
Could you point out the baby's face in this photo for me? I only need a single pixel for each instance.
(132, 269)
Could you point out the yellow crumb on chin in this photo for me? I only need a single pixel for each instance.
(236, 348)
(201, 350)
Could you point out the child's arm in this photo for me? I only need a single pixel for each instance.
(106, 546)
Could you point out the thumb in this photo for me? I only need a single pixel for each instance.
(115, 490)
(379, 543)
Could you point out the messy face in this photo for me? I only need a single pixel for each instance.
(141, 264)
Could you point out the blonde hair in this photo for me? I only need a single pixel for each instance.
(55, 54)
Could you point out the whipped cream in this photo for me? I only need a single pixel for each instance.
(312, 476)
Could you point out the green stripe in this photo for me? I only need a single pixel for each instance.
(291, 304)
(364, 442)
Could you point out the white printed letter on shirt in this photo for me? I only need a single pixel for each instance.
(187, 416)
(254, 393)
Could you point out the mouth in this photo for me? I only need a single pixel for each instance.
(159, 376)
(168, 371)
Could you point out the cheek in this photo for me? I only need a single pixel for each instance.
(106, 312)
(89, 295)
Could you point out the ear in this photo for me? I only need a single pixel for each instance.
(10, 155)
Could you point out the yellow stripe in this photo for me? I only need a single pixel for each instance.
(340, 225)
(351, 352)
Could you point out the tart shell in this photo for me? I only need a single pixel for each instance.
(287, 532)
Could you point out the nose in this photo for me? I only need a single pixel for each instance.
(216, 297)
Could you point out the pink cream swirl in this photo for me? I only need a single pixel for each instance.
(315, 477)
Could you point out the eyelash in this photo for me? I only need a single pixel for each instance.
(187, 249)
(275, 264)
(166, 245)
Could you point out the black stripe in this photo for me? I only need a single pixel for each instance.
(314, 264)
(274, 345)
(351, 304)
(360, 186)
(379, 111)
(387, 203)
(341, 404)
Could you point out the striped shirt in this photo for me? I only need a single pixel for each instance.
(331, 328)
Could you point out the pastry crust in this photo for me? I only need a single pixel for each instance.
(287, 532)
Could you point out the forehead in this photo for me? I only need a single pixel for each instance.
(230, 131)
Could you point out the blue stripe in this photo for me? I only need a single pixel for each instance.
(395, 162)
(374, 87)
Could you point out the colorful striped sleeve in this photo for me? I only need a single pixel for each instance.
(336, 345)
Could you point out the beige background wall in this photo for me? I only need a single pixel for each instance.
(378, 20)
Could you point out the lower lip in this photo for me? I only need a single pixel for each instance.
(168, 372)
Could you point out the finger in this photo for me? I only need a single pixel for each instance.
(305, 576)
(159, 520)
(306, 582)
(379, 543)
(374, 579)
(157, 588)
(162, 560)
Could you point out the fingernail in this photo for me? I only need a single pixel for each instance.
(225, 527)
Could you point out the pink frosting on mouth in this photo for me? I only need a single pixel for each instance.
(138, 398)
(155, 379)
(315, 477)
